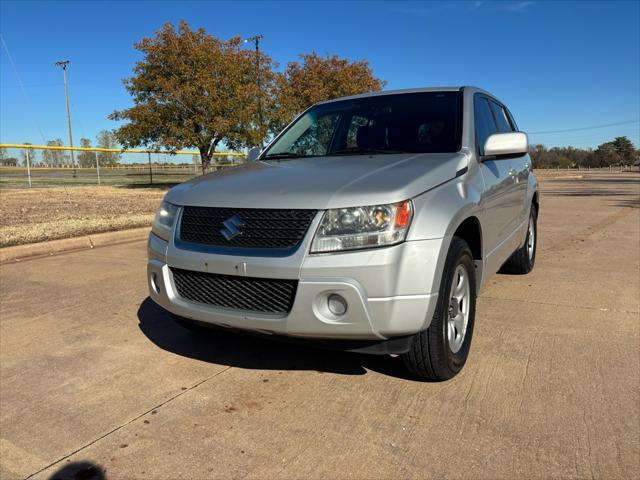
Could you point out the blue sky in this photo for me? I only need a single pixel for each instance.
(557, 65)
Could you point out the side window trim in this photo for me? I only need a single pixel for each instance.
(503, 109)
(512, 120)
(487, 99)
(493, 114)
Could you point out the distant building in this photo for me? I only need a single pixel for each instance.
(8, 162)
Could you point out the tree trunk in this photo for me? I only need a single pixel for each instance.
(212, 149)
(205, 158)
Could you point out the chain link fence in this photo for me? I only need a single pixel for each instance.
(42, 166)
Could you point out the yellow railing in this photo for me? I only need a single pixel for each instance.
(42, 172)
(114, 150)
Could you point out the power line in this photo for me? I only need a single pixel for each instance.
(586, 128)
(24, 92)
(619, 130)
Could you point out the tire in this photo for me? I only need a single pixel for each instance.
(523, 260)
(433, 355)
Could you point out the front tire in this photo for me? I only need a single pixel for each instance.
(439, 352)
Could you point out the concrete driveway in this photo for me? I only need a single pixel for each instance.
(96, 381)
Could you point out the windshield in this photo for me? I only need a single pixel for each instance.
(429, 122)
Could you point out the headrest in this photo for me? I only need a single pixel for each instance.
(371, 137)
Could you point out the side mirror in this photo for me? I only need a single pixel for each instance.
(254, 153)
(499, 144)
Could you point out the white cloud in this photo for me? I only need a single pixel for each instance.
(517, 6)
(426, 9)
(413, 11)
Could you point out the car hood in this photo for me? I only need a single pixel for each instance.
(320, 182)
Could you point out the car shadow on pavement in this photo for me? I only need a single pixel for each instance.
(249, 352)
(83, 470)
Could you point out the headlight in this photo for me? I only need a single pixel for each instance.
(164, 220)
(363, 227)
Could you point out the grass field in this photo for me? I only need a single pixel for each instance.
(39, 214)
(16, 177)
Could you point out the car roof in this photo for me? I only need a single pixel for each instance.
(407, 90)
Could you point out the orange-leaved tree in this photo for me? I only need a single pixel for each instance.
(192, 90)
(315, 79)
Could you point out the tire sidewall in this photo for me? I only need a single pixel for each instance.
(459, 254)
(532, 261)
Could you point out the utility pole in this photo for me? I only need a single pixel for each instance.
(150, 169)
(256, 40)
(63, 64)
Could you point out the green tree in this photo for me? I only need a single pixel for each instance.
(625, 149)
(107, 139)
(32, 155)
(620, 150)
(315, 79)
(54, 157)
(606, 155)
(192, 90)
(536, 152)
(86, 159)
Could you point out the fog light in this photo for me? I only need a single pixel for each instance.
(154, 283)
(337, 304)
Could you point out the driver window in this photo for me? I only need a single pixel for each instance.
(317, 138)
(484, 122)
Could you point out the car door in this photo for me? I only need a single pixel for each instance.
(500, 197)
(519, 166)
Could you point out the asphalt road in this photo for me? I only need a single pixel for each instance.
(95, 378)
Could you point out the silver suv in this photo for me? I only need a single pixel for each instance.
(369, 224)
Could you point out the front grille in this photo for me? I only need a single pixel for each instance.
(238, 293)
(260, 228)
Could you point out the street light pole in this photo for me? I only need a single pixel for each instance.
(63, 64)
(256, 40)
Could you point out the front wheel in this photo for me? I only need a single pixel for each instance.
(440, 351)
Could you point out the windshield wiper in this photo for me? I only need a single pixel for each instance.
(364, 151)
(276, 156)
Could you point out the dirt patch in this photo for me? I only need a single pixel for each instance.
(37, 215)
(553, 173)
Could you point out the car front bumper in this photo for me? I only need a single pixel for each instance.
(390, 291)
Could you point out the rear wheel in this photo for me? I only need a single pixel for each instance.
(440, 352)
(523, 259)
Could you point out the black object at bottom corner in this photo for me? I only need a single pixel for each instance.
(391, 346)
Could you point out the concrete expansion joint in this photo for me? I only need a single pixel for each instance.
(129, 422)
(551, 304)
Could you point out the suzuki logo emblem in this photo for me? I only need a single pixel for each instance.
(231, 227)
